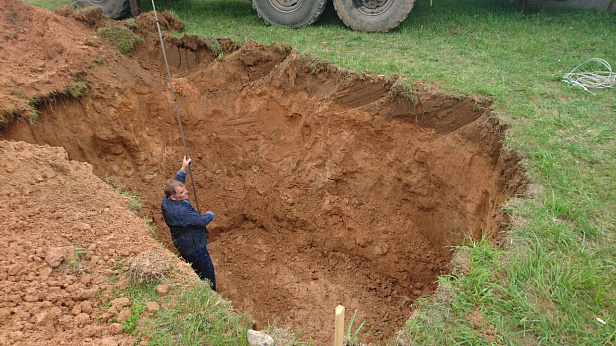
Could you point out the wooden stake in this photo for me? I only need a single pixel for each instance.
(339, 333)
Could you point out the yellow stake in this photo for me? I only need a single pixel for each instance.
(339, 333)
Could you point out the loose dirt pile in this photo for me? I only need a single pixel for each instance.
(62, 232)
(329, 187)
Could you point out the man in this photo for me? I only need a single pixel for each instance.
(187, 226)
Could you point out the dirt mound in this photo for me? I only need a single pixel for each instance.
(47, 51)
(61, 230)
(91, 16)
(329, 187)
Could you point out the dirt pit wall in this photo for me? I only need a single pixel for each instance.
(329, 187)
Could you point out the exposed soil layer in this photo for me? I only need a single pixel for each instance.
(329, 187)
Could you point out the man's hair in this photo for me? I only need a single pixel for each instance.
(170, 186)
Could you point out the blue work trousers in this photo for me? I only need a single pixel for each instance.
(200, 261)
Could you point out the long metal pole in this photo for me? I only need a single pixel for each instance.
(175, 103)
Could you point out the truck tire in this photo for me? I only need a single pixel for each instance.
(373, 15)
(115, 9)
(289, 13)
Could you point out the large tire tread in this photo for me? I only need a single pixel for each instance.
(270, 17)
(114, 9)
(355, 20)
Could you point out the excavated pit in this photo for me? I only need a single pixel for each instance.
(329, 187)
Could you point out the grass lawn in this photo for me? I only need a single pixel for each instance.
(556, 278)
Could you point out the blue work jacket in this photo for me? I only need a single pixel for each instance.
(187, 226)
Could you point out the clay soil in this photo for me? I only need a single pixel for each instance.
(329, 187)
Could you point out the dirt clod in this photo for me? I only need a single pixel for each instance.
(151, 307)
(162, 289)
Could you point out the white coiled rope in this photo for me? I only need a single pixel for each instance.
(586, 75)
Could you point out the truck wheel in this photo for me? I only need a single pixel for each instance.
(115, 9)
(289, 13)
(373, 15)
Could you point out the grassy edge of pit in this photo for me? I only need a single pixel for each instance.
(189, 314)
(30, 111)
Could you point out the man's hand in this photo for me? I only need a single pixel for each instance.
(210, 214)
(185, 163)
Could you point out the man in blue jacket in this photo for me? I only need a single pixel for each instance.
(187, 226)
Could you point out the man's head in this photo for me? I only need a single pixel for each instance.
(175, 190)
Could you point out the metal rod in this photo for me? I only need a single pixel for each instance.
(175, 103)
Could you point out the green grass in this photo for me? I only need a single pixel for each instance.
(134, 203)
(187, 316)
(197, 317)
(120, 37)
(139, 295)
(75, 90)
(48, 4)
(557, 276)
(73, 264)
